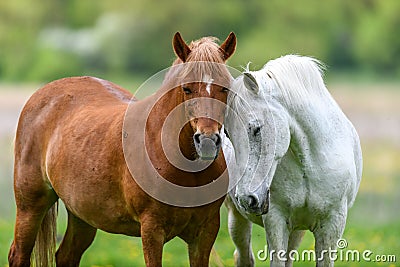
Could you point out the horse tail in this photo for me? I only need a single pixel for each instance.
(45, 246)
(215, 259)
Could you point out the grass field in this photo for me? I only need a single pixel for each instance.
(373, 222)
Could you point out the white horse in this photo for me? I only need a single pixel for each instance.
(298, 160)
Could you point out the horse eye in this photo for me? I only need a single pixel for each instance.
(256, 130)
(224, 89)
(187, 90)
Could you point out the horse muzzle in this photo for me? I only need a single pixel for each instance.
(207, 146)
(253, 203)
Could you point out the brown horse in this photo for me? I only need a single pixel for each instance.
(70, 144)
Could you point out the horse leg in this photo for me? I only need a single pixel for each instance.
(277, 238)
(33, 198)
(327, 233)
(294, 242)
(153, 239)
(78, 237)
(200, 246)
(240, 232)
(27, 226)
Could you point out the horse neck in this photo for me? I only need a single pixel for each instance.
(313, 125)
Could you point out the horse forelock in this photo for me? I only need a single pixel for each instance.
(205, 49)
(205, 61)
(204, 71)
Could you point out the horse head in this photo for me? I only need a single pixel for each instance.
(204, 79)
(259, 130)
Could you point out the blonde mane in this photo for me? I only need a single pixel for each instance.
(205, 49)
(205, 60)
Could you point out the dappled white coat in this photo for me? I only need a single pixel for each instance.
(295, 151)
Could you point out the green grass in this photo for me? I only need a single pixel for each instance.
(117, 250)
(363, 232)
(373, 222)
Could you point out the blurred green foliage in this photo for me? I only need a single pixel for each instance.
(48, 39)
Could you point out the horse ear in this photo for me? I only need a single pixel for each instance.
(228, 46)
(181, 49)
(250, 82)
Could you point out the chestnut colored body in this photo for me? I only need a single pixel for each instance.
(69, 146)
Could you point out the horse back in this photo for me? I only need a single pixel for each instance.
(62, 109)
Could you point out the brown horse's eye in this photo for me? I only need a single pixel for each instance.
(187, 90)
(224, 89)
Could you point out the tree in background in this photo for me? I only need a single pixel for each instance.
(49, 39)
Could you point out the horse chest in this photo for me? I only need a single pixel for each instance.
(306, 193)
(290, 185)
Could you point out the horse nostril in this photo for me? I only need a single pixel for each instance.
(196, 138)
(252, 201)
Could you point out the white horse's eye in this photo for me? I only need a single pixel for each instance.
(256, 130)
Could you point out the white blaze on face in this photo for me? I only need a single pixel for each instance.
(208, 80)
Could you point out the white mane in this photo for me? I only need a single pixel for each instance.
(299, 78)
